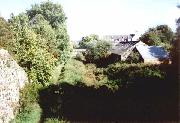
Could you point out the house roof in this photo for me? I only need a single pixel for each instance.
(147, 52)
(123, 47)
(151, 52)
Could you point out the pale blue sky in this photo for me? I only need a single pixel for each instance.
(105, 17)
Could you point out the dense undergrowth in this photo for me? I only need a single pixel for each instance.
(120, 91)
(84, 91)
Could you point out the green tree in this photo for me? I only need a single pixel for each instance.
(161, 35)
(88, 41)
(50, 23)
(63, 43)
(28, 49)
(51, 12)
(42, 28)
(98, 51)
(39, 39)
(5, 33)
(52, 19)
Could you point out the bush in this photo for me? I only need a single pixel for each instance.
(29, 94)
(98, 51)
(73, 72)
(128, 73)
(80, 57)
(134, 57)
(29, 112)
(88, 41)
(56, 73)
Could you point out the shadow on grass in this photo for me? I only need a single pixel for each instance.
(148, 100)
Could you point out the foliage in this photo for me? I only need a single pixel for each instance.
(56, 73)
(5, 32)
(63, 43)
(126, 73)
(134, 57)
(77, 102)
(40, 40)
(87, 41)
(73, 72)
(51, 12)
(160, 35)
(30, 51)
(29, 95)
(76, 72)
(98, 51)
(90, 77)
(42, 28)
(50, 22)
(80, 57)
(29, 112)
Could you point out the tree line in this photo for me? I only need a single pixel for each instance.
(38, 39)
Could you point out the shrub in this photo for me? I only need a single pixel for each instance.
(56, 73)
(98, 51)
(29, 94)
(89, 77)
(80, 57)
(30, 114)
(88, 41)
(73, 72)
(127, 73)
(134, 57)
(30, 111)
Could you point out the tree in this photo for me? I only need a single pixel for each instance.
(175, 54)
(40, 40)
(63, 43)
(42, 28)
(5, 33)
(51, 12)
(98, 51)
(160, 35)
(52, 15)
(87, 41)
(29, 50)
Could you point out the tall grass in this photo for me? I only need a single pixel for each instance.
(73, 72)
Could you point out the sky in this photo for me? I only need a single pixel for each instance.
(106, 17)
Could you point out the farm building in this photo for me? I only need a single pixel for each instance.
(152, 54)
(147, 54)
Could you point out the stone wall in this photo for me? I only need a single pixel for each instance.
(12, 79)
